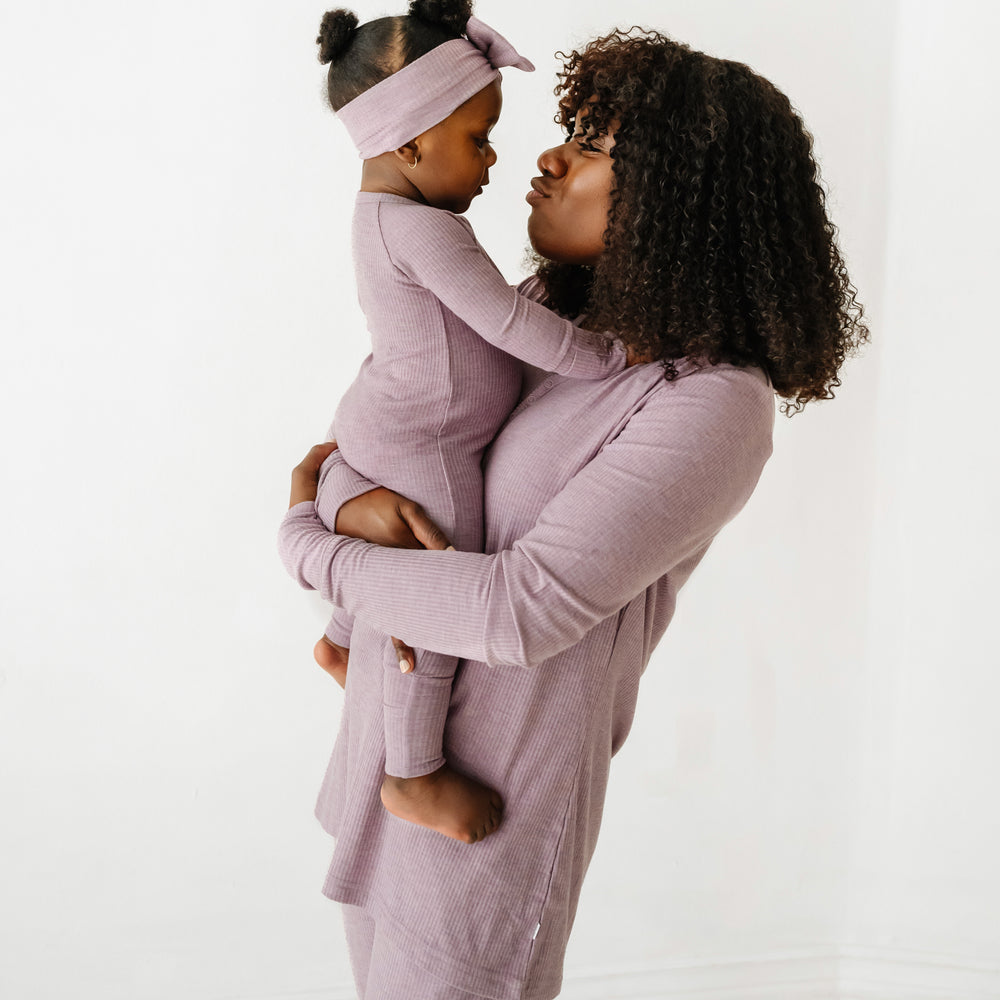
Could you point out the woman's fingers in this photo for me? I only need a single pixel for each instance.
(317, 455)
(407, 658)
(424, 529)
(305, 475)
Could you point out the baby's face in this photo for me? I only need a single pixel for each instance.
(455, 155)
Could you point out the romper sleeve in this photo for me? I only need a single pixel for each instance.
(338, 483)
(439, 251)
(681, 467)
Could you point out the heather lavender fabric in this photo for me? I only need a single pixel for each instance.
(424, 93)
(600, 499)
(382, 971)
(430, 397)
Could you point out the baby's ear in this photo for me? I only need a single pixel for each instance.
(409, 154)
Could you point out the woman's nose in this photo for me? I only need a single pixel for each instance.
(491, 157)
(552, 163)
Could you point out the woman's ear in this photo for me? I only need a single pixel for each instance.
(409, 154)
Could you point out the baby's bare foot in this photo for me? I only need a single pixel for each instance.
(333, 659)
(445, 801)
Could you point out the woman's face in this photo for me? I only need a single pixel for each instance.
(571, 200)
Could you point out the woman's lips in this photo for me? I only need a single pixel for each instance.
(537, 193)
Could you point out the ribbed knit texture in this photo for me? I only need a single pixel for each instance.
(384, 971)
(430, 397)
(600, 499)
(418, 96)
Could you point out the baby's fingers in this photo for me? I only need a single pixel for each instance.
(407, 658)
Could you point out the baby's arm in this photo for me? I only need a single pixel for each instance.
(439, 251)
(338, 483)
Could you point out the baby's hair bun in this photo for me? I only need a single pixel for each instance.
(452, 15)
(336, 34)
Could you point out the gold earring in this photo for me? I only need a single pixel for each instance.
(413, 165)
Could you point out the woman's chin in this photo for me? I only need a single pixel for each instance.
(547, 245)
(536, 237)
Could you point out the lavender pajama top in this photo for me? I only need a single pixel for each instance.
(600, 499)
(441, 379)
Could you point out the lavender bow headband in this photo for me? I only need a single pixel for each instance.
(424, 93)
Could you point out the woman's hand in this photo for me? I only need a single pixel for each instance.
(378, 516)
(386, 518)
(305, 475)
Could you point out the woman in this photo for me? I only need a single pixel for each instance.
(683, 214)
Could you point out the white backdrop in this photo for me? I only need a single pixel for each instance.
(807, 804)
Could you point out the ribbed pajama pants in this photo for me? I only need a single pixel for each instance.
(382, 972)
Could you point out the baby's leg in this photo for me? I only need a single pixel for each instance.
(332, 649)
(420, 786)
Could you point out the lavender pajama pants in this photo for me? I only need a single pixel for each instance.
(384, 972)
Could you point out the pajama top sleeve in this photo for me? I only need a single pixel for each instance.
(439, 251)
(338, 483)
(681, 467)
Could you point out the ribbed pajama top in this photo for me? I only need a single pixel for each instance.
(600, 499)
(445, 328)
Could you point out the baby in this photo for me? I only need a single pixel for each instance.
(419, 95)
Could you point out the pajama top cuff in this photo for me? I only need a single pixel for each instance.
(339, 483)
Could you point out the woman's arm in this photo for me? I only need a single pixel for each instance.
(439, 251)
(325, 478)
(654, 496)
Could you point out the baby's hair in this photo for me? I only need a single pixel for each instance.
(361, 56)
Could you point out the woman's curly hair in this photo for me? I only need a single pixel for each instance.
(718, 246)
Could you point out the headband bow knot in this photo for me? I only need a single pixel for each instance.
(429, 89)
(497, 51)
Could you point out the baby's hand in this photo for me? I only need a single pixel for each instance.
(333, 659)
